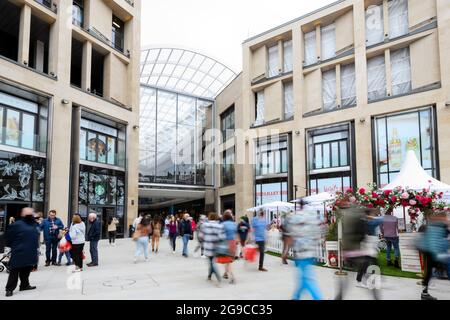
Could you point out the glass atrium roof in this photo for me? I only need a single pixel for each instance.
(184, 71)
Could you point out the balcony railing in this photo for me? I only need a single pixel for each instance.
(22, 139)
(48, 4)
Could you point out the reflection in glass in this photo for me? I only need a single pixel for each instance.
(83, 144)
(92, 146)
(101, 148)
(28, 123)
(111, 150)
(12, 127)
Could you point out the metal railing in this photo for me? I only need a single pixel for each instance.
(130, 2)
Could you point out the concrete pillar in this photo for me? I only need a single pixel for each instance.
(338, 86)
(24, 35)
(387, 61)
(86, 66)
(75, 160)
(386, 18)
(318, 43)
(107, 75)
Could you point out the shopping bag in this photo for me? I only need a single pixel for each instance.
(249, 252)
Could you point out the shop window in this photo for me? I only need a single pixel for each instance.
(228, 167)
(348, 85)
(19, 128)
(288, 100)
(270, 191)
(98, 143)
(310, 48)
(287, 56)
(329, 184)
(39, 44)
(328, 41)
(400, 71)
(329, 89)
(9, 29)
(76, 62)
(376, 78)
(374, 25)
(398, 18)
(272, 63)
(227, 125)
(272, 156)
(118, 33)
(396, 134)
(259, 107)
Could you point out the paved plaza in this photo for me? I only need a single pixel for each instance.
(171, 276)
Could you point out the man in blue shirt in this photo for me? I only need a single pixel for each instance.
(259, 226)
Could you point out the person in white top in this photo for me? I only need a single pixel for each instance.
(77, 234)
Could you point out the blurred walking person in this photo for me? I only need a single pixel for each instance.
(141, 236)
(211, 234)
(64, 247)
(200, 243)
(156, 235)
(173, 232)
(286, 240)
(259, 226)
(243, 230)
(304, 232)
(77, 233)
(22, 237)
(433, 245)
(230, 229)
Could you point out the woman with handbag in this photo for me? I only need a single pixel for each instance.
(141, 236)
(77, 233)
(211, 235)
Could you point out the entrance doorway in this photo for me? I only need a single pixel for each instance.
(8, 211)
(103, 214)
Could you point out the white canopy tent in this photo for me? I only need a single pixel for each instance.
(272, 208)
(413, 176)
(318, 202)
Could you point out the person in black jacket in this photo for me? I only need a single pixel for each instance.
(23, 239)
(93, 238)
(186, 232)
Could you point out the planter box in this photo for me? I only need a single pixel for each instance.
(331, 246)
(409, 254)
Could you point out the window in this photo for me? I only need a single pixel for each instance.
(227, 123)
(328, 39)
(288, 100)
(97, 69)
(272, 156)
(9, 29)
(329, 89)
(76, 62)
(39, 44)
(228, 167)
(18, 128)
(348, 85)
(398, 18)
(400, 71)
(376, 78)
(98, 143)
(287, 56)
(396, 134)
(374, 25)
(272, 66)
(266, 192)
(259, 108)
(78, 13)
(310, 48)
(118, 33)
(329, 158)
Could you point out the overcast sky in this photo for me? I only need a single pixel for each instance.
(216, 28)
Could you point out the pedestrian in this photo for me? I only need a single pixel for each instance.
(286, 240)
(433, 245)
(211, 233)
(156, 235)
(22, 237)
(166, 225)
(141, 236)
(202, 220)
(112, 230)
(259, 226)
(64, 247)
(186, 233)
(303, 231)
(77, 233)
(173, 232)
(137, 221)
(93, 237)
(230, 229)
(243, 229)
(51, 228)
(389, 230)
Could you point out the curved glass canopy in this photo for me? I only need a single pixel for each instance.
(184, 71)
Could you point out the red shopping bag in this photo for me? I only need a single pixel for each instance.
(250, 251)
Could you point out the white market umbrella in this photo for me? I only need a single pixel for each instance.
(276, 205)
(317, 198)
(413, 176)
